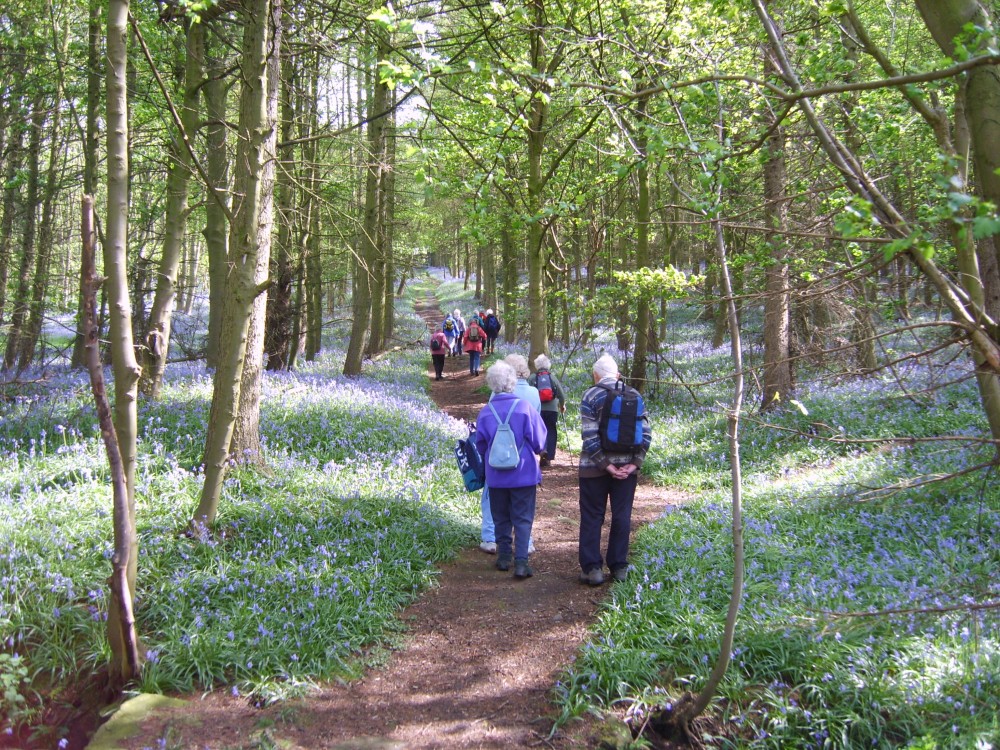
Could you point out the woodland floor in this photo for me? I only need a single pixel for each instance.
(480, 655)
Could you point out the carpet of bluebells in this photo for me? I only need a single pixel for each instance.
(835, 532)
(310, 562)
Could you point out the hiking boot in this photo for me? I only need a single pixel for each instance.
(490, 548)
(592, 577)
(620, 574)
(522, 570)
(503, 562)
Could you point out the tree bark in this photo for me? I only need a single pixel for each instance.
(373, 239)
(216, 223)
(642, 316)
(121, 626)
(366, 294)
(777, 384)
(126, 369)
(537, 132)
(278, 331)
(945, 20)
(10, 207)
(246, 447)
(241, 286)
(158, 325)
(26, 265)
(388, 227)
(91, 147)
(43, 256)
(511, 310)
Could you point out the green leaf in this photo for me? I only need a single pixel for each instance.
(985, 226)
(383, 17)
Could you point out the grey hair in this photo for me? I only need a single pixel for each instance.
(519, 363)
(501, 377)
(457, 313)
(542, 362)
(606, 367)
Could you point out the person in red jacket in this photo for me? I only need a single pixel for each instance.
(474, 338)
(439, 347)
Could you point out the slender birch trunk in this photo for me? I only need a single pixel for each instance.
(124, 365)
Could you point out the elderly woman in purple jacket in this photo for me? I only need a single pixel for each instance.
(512, 491)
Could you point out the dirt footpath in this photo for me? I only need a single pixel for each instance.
(482, 650)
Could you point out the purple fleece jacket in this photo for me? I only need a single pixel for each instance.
(530, 432)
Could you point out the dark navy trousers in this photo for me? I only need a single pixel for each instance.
(594, 496)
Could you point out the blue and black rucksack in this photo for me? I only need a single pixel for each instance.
(620, 426)
(470, 463)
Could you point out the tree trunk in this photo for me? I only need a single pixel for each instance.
(157, 339)
(777, 384)
(372, 241)
(510, 306)
(642, 317)
(689, 707)
(299, 308)
(192, 262)
(310, 303)
(314, 280)
(246, 447)
(490, 297)
(216, 227)
(91, 146)
(19, 316)
(9, 208)
(366, 293)
(241, 285)
(537, 131)
(945, 19)
(43, 256)
(278, 331)
(126, 369)
(388, 227)
(121, 619)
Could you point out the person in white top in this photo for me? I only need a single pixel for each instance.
(459, 331)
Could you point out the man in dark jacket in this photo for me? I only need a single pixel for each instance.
(605, 475)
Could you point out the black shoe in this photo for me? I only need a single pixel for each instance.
(503, 562)
(620, 574)
(593, 577)
(522, 570)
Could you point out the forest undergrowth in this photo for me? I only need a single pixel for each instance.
(870, 611)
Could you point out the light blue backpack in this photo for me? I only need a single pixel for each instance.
(504, 453)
